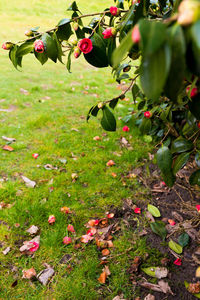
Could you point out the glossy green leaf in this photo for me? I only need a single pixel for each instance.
(177, 67)
(180, 162)
(183, 239)
(16, 60)
(121, 51)
(158, 228)
(153, 36)
(98, 56)
(145, 126)
(73, 6)
(113, 103)
(153, 210)
(150, 271)
(154, 71)
(135, 91)
(175, 247)
(164, 161)
(64, 30)
(50, 46)
(195, 178)
(181, 145)
(63, 22)
(42, 57)
(108, 121)
(59, 48)
(194, 107)
(68, 65)
(24, 49)
(111, 48)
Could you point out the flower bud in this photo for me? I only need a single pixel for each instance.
(7, 45)
(73, 40)
(147, 114)
(136, 34)
(39, 46)
(114, 11)
(188, 12)
(198, 124)
(193, 92)
(109, 32)
(75, 26)
(100, 105)
(77, 52)
(28, 33)
(126, 128)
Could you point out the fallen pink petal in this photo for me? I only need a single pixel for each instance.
(35, 247)
(137, 210)
(70, 228)
(198, 207)
(171, 222)
(178, 262)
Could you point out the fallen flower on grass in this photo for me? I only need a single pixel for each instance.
(34, 247)
(93, 223)
(35, 155)
(8, 148)
(29, 274)
(74, 176)
(113, 174)
(137, 210)
(31, 246)
(110, 163)
(70, 228)
(92, 231)
(106, 272)
(33, 230)
(96, 138)
(198, 207)
(51, 219)
(65, 210)
(86, 238)
(67, 240)
(178, 262)
(110, 216)
(171, 222)
(105, 252)
(126, 128)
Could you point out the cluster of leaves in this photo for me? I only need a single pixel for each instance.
(166, 60)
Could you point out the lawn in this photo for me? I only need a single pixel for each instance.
(45, 111)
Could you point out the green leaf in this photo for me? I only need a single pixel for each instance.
(197, 159)
(181, 145)
(145, 126)
(195, 178)
(121, 51)
(50, 46)
(73, 7)
(175, 247)
(16, 60)
(42, 57)
(177, 67)
(113, 103)
(187, 285)
(153, 210)
(64, 30)
(108, 121)
(24, 49)
(183, 239)
(111, 48)
(158, 228)
(154, 71)
(164, 161)
(59, 48)
(153, 36)
(193, 50)
(194, 107)
(98, 56)
(180, 162)
(68, 65)
(135, 91)
(150, 271)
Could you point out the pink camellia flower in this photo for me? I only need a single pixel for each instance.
(91, 231)
(65, 210)
(136, 34)
(86, 238)
(109, 32)
(137, 210)
(171, 222)
(35, 247)
(35, 155)
(110, 163)
(39, 46)
(85, 45)
(67, 240)
(51, 219)
(178, 262)
(147, 114)
(114, 11)
(70, 228)
(193, 92)
(198, 207)
(126, 128)
(7, 45)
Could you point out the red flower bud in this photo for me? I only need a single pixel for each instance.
(137, 210)
(75, 26)
(109, 32)
(7, 45)
(70, 228)
(77, 52)
(136, 34)
(39, 46)
(85, 45)
(147, 114)
(198, 124)
(114, 11)
(193, 92)
(126, 128)
(28, 33)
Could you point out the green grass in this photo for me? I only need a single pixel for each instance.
(43, 125)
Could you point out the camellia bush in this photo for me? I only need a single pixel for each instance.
(155, 47)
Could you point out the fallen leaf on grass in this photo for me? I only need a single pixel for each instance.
(156, 272)
(150, 297)
(65, 210)
(29, 274)
(33, 230)
(8, 148)
(6, 251)
(11, 140)
(162, 286)
(86, 238)
(50, 167)
(45, 275)
(105, 252)
(102, 278)
(149, 217)
(24, 92)
(29, 183)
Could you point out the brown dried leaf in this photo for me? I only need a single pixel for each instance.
(8, 148)
(105, 252)
(106, 270)
(29, 183)
(194, 288)
(102, 277)
(45, 275)
(29, 274)
(33, 230)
